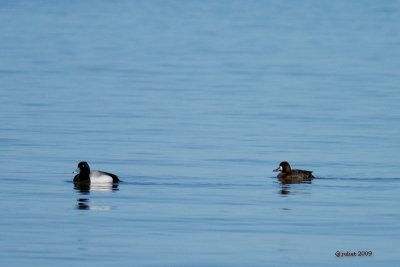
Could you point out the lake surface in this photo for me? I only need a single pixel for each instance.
(193, 104)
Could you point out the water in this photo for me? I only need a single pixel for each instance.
(193, 105)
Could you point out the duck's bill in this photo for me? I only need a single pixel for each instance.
(278, 169)
(76, 171)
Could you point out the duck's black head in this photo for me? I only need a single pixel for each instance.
(83, 168)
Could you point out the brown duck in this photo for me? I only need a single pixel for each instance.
(289, 176)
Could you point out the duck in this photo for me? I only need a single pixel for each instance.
(86, 176)
(289, 176)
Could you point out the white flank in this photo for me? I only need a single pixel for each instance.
(97, 177)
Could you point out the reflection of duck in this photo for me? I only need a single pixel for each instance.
(87, 177)
(83, 204)
(284, 191)
(289, 176)
(86, 187)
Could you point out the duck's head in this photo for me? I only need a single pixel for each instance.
(284, 167)
(83, 168)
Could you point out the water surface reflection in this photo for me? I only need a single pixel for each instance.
(83, 202)
(87, 188)
(292, 189)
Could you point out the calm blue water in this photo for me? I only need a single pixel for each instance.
(192, 104)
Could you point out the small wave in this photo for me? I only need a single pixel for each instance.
(393, 179)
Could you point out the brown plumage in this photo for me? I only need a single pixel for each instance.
(289, 176)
